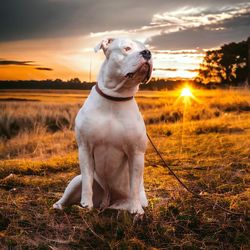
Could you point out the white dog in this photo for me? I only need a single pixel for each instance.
(111, 133)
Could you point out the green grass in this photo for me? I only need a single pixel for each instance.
(209, 152)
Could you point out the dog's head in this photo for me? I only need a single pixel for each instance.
(127, 61)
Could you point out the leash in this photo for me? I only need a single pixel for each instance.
(196, 195)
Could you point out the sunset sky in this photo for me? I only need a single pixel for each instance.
(49, 39)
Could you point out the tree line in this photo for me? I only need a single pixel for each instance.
(75, 83)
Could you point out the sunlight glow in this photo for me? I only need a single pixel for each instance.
(186, 95)
(186, 92)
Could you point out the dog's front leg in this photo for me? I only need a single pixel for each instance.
(136, 166)
(87, 171)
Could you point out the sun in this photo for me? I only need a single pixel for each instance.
(186, 92)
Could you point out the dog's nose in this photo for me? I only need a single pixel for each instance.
(146, 54)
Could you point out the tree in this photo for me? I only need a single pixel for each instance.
(227, 65)
(75, 80)
(58, 80)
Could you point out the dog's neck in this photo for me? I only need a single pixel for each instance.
(117, 90)
(112, 98)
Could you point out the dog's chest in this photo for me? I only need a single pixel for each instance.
(119, 126)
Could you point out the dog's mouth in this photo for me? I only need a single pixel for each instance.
(143, 70)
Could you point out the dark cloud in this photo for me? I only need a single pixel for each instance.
(166, 69)
(235, 29)
(28, 19)
(193, 70)
(22, 63)
(25, 19)
(181, 52)
(44, 68)
(175, 69)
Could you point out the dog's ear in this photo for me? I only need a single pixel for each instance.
(104, 44)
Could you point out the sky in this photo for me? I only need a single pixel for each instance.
(50, 39)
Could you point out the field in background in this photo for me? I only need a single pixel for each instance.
(209, 149)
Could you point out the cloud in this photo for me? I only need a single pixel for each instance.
(208, 23)
(169, 52)
(166, 69)
(192, 70)
(205, 30)
(190, 17)
(44, 68)
(29, 19)
(175, 69)
(22, 63)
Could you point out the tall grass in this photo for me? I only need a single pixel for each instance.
(30, 128)
(36, 129)
(22, 117)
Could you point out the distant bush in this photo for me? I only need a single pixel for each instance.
(231, 107)
(218, 128)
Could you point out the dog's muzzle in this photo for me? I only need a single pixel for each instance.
(144, 69)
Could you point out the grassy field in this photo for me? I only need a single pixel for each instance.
(205, 141)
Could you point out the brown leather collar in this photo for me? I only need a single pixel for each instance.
(112, 98)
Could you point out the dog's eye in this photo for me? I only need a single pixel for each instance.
(127, 49)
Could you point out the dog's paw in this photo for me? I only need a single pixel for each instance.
(136, 208)
(87, 204)
(58, 206)
(133, 206)
(86, 200)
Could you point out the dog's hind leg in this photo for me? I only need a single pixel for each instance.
(72, 193)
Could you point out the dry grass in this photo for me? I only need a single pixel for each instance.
(209, 151)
